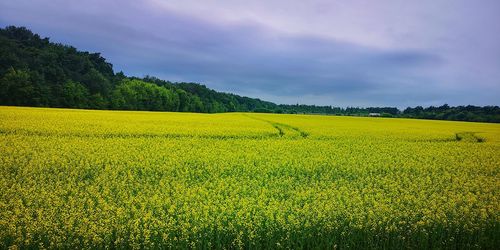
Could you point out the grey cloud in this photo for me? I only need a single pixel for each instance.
(242, 57)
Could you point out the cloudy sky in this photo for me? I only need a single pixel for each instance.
(341, 53)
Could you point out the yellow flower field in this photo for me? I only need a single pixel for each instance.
(119, 179)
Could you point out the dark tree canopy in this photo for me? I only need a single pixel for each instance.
(37, 72)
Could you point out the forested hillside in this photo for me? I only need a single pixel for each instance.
(37, 72)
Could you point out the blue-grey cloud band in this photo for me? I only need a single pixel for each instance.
(247, 57)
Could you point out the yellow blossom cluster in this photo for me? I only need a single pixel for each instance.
(116, 179)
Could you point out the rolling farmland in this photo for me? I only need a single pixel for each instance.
(124, 179)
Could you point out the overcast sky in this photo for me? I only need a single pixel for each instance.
(342, 53)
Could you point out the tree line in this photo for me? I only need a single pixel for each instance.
(459, 113)
(37, 72)
(443, 112)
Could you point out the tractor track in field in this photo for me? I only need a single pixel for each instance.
(469, 137)
(284, 130)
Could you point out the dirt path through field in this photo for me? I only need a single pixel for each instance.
(284, 130)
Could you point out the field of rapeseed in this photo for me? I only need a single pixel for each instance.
(116, 179)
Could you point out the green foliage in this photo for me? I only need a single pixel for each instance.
(16, 88)
(459, 113)
(36, 72)
(75, 95)
(263, 110)
(139, 95)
